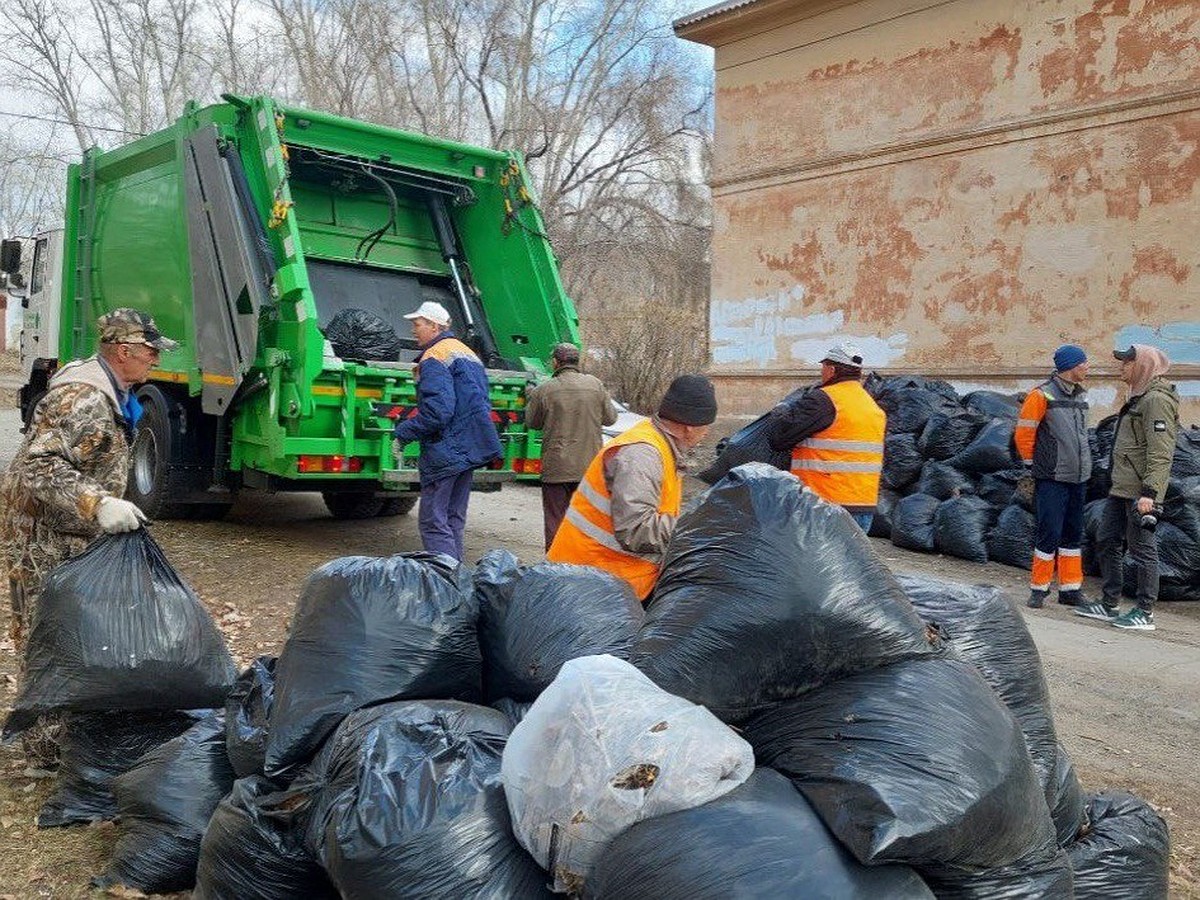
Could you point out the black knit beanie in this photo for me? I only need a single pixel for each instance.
(690, 400)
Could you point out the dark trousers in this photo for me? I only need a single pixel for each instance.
(1059, 515)
(442, 516)
(1059, 534)
(1120, 526)
(555, 500)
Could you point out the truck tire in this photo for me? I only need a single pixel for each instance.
(165, 478)
(350, 505)
(397, 506)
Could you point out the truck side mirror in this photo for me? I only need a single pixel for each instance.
(10, 257)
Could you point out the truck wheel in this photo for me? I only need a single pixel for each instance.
(161, 481)
(397, 506)
(150, 457)
(348, 505)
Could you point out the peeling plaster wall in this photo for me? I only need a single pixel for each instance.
(959, 187)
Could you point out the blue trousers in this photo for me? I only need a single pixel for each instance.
(1059, 515)
(442, 515)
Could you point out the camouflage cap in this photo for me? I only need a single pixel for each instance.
(128, 326)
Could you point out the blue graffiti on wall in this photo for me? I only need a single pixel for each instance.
(1179, 340)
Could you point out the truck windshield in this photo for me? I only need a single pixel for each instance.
(385, 293)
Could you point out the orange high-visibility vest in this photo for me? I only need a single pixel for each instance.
(843, 463)
(586, 536)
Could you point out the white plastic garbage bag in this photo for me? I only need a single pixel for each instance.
(603, 748)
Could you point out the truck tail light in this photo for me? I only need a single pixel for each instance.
(335, 463)
(527, 466)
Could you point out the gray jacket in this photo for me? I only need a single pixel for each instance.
(570, 410)
(1060, 450)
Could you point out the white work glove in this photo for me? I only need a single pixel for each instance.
(115, 515)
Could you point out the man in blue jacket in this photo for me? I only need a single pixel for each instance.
(453, 422)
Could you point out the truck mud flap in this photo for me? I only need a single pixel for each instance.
(229, 283)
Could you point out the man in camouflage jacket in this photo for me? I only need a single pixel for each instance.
(65, 485)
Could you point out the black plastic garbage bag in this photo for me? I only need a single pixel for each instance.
(1043, 875)
(366, 630)
(532, 619)
(987, 631)
(1178, 554)
(1181, 506)
(445, 830)
(1092, 513)
(247, 709)
(1011, 540)
(917, 762)
(990, 451)
(912, 522)
(881, 522)
(766, 592)
(254, 848)
(116, 628)
(942, 480)
(164, 804)
(514, 709)
(994, 405)
(999, 489)
(1186, 461)
(901, 461)
(751, 444)
(878, 386)
(908, 409)
(760, 840)
(96, 748)
(946, 434)
(358, 334)
(1068, 809)
(960, 527)
(1125, 853)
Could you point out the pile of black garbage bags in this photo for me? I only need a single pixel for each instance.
(785, 718)
(950, 473)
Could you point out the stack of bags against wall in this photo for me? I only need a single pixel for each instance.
(774, 612)
(950, 473)
(122, 653)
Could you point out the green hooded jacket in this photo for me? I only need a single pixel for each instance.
(1144, 443)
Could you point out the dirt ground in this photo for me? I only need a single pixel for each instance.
(1127, 707)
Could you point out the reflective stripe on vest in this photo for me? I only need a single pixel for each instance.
(843, 463)
(587, 536)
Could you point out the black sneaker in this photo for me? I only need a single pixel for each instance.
(1036, 598)
(1072, 598)
(1096, 611)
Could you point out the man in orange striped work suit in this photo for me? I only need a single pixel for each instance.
(1051, 437)
(835, 434)
(623, 513)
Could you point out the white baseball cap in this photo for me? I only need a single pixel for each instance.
(844, 353)
(432, 311)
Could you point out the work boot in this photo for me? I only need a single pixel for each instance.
(1036, 598)
(1096, 611)
(1137, 619)
(1073, 598)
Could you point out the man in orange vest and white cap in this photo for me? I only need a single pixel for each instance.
(835, 434)
(623, 513)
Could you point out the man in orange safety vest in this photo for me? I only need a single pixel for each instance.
(835, 434)
(623, 513)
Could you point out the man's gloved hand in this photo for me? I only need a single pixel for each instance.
(115, 516)
(1025, 490)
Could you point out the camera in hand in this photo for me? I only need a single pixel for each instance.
(1149, 520)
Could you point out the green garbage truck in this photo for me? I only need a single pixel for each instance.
(252, 232)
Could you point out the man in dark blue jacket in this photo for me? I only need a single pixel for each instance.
(453, 422)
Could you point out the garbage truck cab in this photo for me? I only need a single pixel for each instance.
(251, 231)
